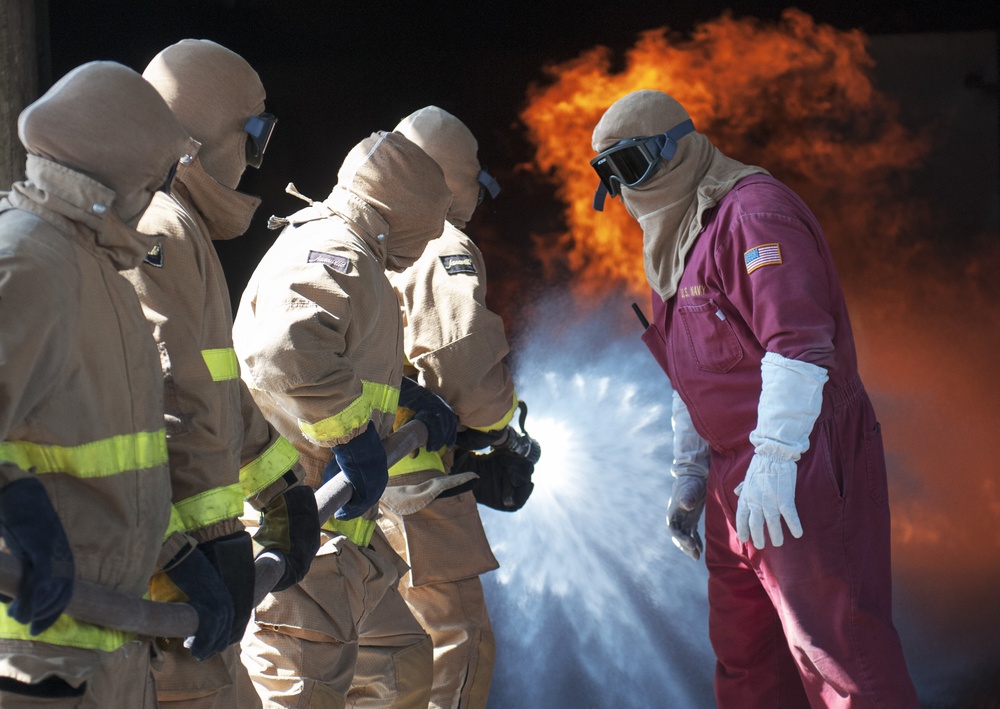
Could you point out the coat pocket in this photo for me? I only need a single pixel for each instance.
(445, 541)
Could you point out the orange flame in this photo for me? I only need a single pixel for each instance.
(781, 96)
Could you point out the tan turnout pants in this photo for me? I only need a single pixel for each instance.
(343, 637)
(113, 679)
(446, 548)
(220, 682)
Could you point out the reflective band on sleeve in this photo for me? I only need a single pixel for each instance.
(359, 530)
(176, 523)
(270, 465)
(222, 364)
(209, 507)
(422, 461)
(374, 397)
(97, 459)
(66, 632)
(507, 417)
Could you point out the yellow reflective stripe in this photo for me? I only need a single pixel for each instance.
(502, 422)
(358, 530)
(222, 364)
(176, 524)
(423, 460)
(270, 465)
(97, 459)
(66, 632)
(374, 397)
(209, 507)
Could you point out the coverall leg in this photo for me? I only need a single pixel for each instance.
(829, 590)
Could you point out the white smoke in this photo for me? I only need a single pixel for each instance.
(593, 606)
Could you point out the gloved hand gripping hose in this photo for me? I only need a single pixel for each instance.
(290, 527)
(432, 410)
(362, 459)
(191, 578)
(232, 558)
(506, 438)
(33, 532)
(505, 473)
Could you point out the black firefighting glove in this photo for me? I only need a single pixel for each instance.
(290, 527)
(35, 536)
(232, 557)
(504, 478)
(506, 438)
(363, 461)
(190, 578)
(432, 410)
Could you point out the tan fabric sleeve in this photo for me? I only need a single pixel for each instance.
(265, 457)
(298, 350)
(457, 344)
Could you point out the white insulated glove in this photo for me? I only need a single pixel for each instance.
(790, 401)
(690, 471)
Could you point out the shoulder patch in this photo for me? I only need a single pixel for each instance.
(458, 263)
(763, 255)
(155, 256)
(341, 264)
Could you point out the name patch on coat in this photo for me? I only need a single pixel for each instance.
(458, 263)
(338, 263)
(763, 255)
(155, 256)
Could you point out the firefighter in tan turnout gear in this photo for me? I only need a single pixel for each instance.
(456, 347)
(221, 448)
(319, 337)
(81, 395)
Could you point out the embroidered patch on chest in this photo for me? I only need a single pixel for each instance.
(341, 264)
(459, 263)
(155, 256)
(763, 255)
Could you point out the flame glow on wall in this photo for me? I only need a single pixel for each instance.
(798, 98)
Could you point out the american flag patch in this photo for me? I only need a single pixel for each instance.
(763, 255)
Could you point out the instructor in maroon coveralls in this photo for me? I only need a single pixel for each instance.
(772, 425)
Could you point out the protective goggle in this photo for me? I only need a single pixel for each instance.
(632, 161)
(259, 129)
(487, 183)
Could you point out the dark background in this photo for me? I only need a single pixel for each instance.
(336, 71)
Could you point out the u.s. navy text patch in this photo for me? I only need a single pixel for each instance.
(338, 263)
(763, 255)
(458, 263)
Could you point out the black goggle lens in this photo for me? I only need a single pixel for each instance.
(629, 163)
(259, 130)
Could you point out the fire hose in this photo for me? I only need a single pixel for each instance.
(92, 603)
